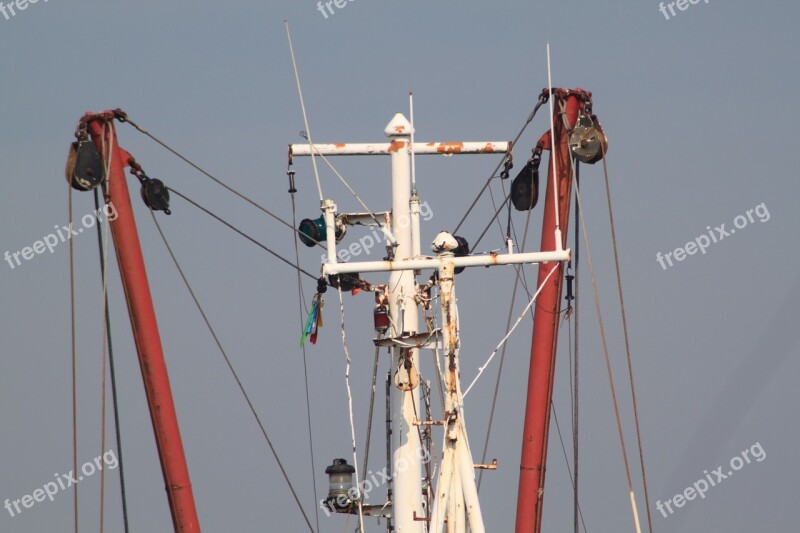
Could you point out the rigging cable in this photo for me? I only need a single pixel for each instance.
(492, 176)
(627, 342)
(607, 360)
(371, 408)
(350, 409)
(575, 369)
(303, 109)
(104, 245)
(386, 231)
(233, 371)
(74, 358)
(104, 274)
(243, 234)
(123, 117)
(301, 303)
(566, 458)
(505, 338)
(520, 277)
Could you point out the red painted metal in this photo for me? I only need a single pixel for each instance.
(145, 330)
(530, 496)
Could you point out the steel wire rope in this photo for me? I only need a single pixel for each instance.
(301, 302)
(104, 274)
(627, 340)
(103, 244)
(492, 175)
(607, 360)
(243, 234)
(566, 457)
(122, 117)
(73, 358)
(235, 375)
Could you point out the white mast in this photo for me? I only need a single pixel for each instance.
(456, 498)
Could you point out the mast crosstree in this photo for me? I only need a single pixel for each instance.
(456, 498)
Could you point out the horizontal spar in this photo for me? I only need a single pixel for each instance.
(435, 262)
(441, 148)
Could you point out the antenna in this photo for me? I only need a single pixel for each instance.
(559, 246)
(303, 108)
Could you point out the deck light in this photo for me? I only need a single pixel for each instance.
(340, 477)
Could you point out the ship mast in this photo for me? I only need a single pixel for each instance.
(544, 342)
(456, 500)
(145, 327)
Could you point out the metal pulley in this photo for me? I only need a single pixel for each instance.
(587, 141)
(155, 194)
(525, 187)
(85, 169)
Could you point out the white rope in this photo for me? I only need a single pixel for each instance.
(350, 408)
(504, 339)
(303, 108)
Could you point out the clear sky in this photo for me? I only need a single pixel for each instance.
(700, 109)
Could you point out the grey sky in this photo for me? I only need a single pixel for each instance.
(700, 111)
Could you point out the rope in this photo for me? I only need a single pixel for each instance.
(233, 371)
(390, 238)
(519, 278)
(508, 334)
(301, 302)
(103, 263)
(627, 342)
(492, 175)
(371, 409)
(607, 360)
(243, 234)
(124, 118)
(566, 458)
(303, 109)
(74, 358)
(350, 410)
(576, 373)
(491, 221)
(103, 245)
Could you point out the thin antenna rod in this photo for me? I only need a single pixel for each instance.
(303, 107)
(559, 245)
(413, 156)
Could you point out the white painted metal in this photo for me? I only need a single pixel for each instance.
(455, 501)
(433, 262)
(329, 211)
(458, 491)
(430, 148)
(407, 456)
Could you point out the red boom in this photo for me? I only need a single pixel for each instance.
(145, 329)
(545, 326)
